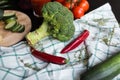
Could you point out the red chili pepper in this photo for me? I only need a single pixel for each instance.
(72, 45)
(48, 57)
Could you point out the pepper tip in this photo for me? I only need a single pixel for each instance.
(62, 52)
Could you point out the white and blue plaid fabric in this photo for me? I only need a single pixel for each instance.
(17, 63)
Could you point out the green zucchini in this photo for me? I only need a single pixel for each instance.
(106, 70)
(21, 29)
(9, 15)
(10, 19)
(11, 25)
(18, 28)
(3, 2)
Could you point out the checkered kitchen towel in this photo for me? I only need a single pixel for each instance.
(17, 63)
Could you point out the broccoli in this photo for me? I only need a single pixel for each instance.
(58, 23)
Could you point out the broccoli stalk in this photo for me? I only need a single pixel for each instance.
(58, 23)
(38, 34)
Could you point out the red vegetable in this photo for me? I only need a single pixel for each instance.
(78, 12)
(85, 5)
(68, 4)
(75, 43)
(48, 57)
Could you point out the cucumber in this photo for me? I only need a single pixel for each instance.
(3, 2)
(9, 15)
(21, 29)
(106, 70)
(11, 25)
(16, 27)
(10, 19)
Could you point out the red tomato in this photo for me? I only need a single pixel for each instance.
(60, 1)
(78, 12)
(84, 4)
(69, 5)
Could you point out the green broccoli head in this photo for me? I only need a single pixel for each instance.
(58, 23)
(60, 20)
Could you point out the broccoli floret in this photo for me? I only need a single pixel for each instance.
(58, 23)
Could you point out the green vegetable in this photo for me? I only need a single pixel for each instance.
(21, 28)
(2, 2)
(106, 70)
(14, 26)
(5, 4)
(10, 25)
(58, 23)
(1, 13)
(9, 16)
(10, 19)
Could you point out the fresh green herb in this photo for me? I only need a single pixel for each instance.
(29, 65)
(101, 21)
(83, 55)
(105, 40)
(108, 40)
